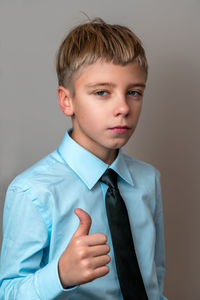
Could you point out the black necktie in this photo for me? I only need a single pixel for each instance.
(130, 279)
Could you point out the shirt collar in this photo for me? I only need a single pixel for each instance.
(89, 167)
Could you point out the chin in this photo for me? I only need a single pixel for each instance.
(117, 145)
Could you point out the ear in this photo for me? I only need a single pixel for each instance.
(65, 101)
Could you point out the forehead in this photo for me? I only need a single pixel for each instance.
(107, 72)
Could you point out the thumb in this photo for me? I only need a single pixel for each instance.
(85, 223)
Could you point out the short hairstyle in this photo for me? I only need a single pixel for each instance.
(96, 40)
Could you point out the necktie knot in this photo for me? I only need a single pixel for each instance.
(110, 178)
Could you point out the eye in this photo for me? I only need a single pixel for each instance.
(101, 93)
(134, 93)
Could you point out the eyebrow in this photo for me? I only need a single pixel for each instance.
(99, 84)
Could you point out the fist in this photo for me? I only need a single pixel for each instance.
(86, 256)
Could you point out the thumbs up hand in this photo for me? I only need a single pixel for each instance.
(86, 256)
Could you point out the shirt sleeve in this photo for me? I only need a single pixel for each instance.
(160, 245)
(24, 272)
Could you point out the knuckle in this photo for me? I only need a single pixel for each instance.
(88, 275)
(85, 264)
(77, 242)
(82, 253)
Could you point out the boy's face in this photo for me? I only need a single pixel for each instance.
(106, 107)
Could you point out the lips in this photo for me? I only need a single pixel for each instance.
(119, 129)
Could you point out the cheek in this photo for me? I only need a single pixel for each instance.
(89, 119)
(136, 110)
(94, 114)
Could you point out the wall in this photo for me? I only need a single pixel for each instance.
(167, 136)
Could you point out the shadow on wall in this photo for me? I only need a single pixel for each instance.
(178, 154)
(174, 145)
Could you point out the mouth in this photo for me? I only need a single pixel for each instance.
(119, 129)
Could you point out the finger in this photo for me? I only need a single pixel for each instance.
(100, 261)
(98, 250)
(101, 271)
(95, 239)
(85, 223)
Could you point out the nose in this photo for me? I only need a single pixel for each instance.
(121, 107)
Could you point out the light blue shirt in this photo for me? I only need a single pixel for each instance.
(39, 222)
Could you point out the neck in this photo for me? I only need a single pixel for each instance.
(108, 158)
(106, 155)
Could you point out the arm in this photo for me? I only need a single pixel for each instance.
(160, 246)
(23, 273)
(24, 270)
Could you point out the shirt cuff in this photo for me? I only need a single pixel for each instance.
(48, 282)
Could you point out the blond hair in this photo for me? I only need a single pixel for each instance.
(97, 40)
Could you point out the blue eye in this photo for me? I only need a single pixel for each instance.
(101, 93)
(134, 93)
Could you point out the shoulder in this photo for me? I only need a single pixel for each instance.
(36, 185)
(141, 166)
(142, 172)
(45, 172)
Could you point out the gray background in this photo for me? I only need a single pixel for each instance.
(167, 136)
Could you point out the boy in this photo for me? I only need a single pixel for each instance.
(49, 253)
